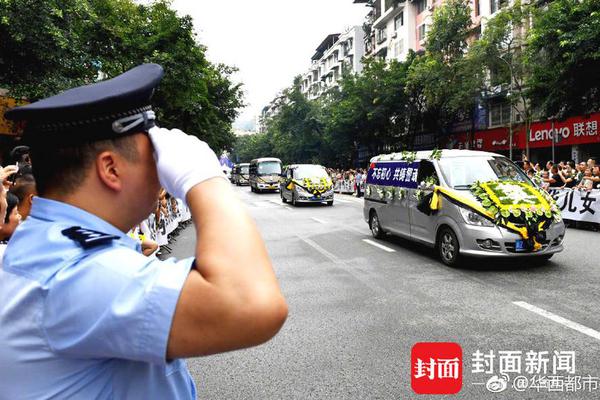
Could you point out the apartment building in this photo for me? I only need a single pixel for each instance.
(335, 56)
(269, 111)
(393, 27)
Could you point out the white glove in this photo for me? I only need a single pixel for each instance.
(182, 161)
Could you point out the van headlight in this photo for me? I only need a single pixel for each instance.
(328, 193)
(472, 218)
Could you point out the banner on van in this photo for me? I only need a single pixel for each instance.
(398, 174)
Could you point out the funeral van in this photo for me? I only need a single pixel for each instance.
(264, 174)
(462, 203)
(306, 183)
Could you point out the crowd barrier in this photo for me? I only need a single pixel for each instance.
(345, 186)
(162, 229)
(578, 205)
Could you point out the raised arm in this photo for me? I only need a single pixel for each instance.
(231, 298)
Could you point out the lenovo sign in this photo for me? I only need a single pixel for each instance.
(548, 134)
(573, 131)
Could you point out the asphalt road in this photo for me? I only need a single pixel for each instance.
(356, 310)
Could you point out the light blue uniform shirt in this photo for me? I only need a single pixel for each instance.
(86, 324)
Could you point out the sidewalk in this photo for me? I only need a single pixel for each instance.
(349, 197)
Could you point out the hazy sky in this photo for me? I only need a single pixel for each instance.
(270, 41)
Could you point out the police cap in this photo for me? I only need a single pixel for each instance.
(104, 110)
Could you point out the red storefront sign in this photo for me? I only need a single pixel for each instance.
(573, 131)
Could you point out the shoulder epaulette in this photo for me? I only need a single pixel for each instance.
(88, 238)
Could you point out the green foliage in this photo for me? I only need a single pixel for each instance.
(443, 83)
(369, 109)
(71, 41)
(564, 56)
(501, 51)
(40, 50)
(247, 148)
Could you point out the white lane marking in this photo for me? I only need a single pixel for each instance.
(345, 266)
(558, 319)
(318, 220)
(382, 247)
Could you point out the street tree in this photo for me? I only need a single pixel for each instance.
(49, 46)
(443, 82)
(564, 57)
(41, 46)
(501, 53)
(368, 110)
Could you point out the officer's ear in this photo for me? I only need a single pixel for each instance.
(109, 169)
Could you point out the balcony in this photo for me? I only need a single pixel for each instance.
(392, 12)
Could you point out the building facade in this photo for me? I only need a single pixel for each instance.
(393, 27)
(337, 55)
(269, 111)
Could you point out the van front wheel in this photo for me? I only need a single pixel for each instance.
(448, 247)
(375, 226)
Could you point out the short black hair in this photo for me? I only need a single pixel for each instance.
(12, 202)
(24, 185)
(63, 168)
(17, 153)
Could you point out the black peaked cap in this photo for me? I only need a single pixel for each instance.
(103, 110)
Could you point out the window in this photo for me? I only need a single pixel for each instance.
(500, 113)
(461, 172)
(422, 4)
(381, 36)
(496, 5)
(398, 48)
(477, 8)
(399, 21)
(421, 31)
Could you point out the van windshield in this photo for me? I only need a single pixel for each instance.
(462, 172)
(310, 171)
(269, 168)
(245, 169)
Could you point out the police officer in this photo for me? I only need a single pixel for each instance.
(83, 314)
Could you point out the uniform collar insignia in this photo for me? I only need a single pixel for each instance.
(88, 238)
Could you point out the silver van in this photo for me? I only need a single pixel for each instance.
(306, 183)
(400, 199)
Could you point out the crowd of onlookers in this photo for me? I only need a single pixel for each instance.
(349, 181)
(565, 174)
(19, 188)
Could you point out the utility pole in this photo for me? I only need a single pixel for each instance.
(510, 124)
(553, 140)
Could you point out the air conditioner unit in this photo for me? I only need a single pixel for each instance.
(394, 35)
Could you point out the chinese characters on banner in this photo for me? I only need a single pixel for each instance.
(578, 205)
(398, 174)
